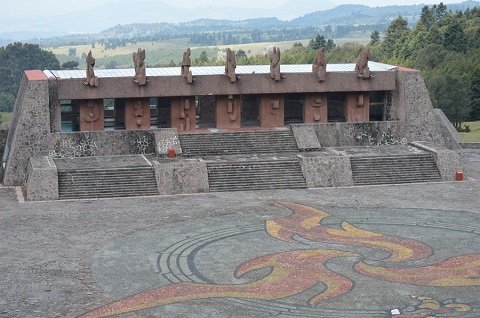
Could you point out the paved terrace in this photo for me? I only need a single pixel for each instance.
(410, 250)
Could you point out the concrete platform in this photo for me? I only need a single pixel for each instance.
(347, 252)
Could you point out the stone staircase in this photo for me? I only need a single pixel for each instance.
(106, 183)
(253, 142)
(394, 169)
(255, 175)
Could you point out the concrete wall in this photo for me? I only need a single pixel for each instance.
(42, 180)
(411, 103)
(448, 162)
(28, 134)
(176, 177)
(361, 134)
(450, 135)
(305, 137)
(320, 170)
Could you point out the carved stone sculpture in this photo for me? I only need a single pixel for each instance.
(186, 63)
(319, 66)
(140, 71)
(275, 64)
(362, 65)
(91, 80)
(230, 66)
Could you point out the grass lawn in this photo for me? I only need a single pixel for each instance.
(474, 134)
(5, 118)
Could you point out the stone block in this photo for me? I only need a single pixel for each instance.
(177, 177)
(41, 182)
(323, 170)
(305, 137)
(450, 135)
(166, 138)
(448, 163)
(92, 115)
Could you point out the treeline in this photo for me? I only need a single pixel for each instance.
(445, 46)
(14, 59)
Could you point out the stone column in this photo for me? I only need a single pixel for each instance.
(358, 108)
(183, 116)
(272, 111)
(91, 115)
(228, 112)
(315, 109)
(137, 113)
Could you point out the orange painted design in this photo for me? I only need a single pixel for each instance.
(291, 273)
(455, 271)
(306, 222)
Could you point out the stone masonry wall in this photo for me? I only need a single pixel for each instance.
(103, 143)
(28, 134)
(42, 180)
(181, 177)
(361, 134)
(412, 103)
(326, 171)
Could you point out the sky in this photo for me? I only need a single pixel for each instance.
(49, 7)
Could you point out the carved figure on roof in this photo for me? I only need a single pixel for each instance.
(140, 71)
(230, 66)
(186, 63)
(319, 66)
(275, 64)
(362, 65)
(91, 80)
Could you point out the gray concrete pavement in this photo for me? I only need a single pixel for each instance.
(64, 259)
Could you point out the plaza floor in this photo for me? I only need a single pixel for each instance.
(403, 251)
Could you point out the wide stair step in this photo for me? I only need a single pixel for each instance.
(394, 169)
(255, 175)
(107, 183)
(258, 142)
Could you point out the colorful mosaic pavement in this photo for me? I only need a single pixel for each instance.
(308, 263)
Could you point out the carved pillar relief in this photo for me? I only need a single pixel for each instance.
(183, 113)
(272, 111)
(228, 112)
(315, 108)
(358, 108)
(91, 115)
(137, 113)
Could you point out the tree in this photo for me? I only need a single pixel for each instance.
(475, 96)
(374, 37)
(72, 52)
(395, 36)
(452, 95)
(16, 58)
(202, 59)
(70, 65)
(7, 102)
(454, 38)
(111, 64)
(240, 54)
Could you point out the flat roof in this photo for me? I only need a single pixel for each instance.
(215, 70)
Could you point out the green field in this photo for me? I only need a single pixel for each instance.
(474, 134)
(6, 117)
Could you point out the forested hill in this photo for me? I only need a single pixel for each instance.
(337, 22)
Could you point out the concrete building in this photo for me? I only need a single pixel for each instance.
(116, 123)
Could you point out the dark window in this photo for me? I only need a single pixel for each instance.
(336, 104)
(294, 108)
(250, 110)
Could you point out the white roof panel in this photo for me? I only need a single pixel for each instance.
(215, 70)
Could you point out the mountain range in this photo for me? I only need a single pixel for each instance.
(139, 15)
